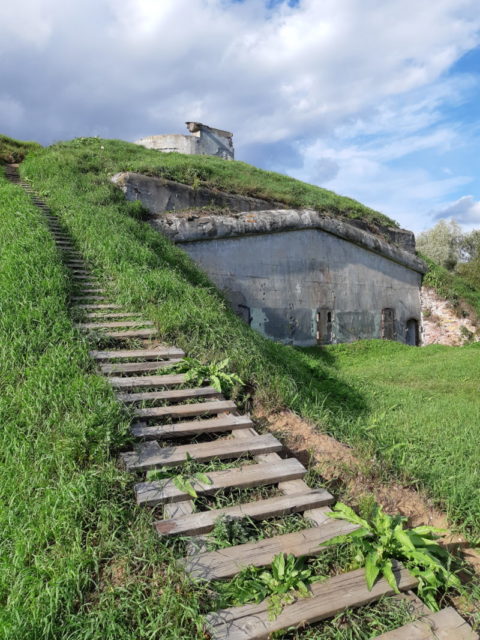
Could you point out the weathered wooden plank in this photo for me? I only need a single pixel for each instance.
(133, 333)
(87, 297)
(148, 354)
(98, 306)
(253, 475)
(137, 382)
(149, 455)
(228, 562)
(227, 422)
(113, 325)
(185, 410)
(328, 598)
(170, 395)
(89, 290)
(204, 521)
(137, 367)
(107, 316)
(446, 624)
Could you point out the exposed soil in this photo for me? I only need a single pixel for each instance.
(441, 323)
(357, 479)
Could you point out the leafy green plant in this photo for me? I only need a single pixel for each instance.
(286, 580)
(381, 539)
(215, 373)
(229, 531)
(183, 481)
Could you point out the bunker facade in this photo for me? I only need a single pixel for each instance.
(299, 276)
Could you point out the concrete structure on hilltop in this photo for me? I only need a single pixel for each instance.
(204, 141)
(297, 276)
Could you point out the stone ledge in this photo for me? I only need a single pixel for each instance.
(193, 228)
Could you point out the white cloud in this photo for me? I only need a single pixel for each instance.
(350, 85)
(465, 210)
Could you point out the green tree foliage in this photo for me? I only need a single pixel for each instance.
(443, 243)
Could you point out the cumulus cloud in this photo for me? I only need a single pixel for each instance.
(465, 210)
(305, 86)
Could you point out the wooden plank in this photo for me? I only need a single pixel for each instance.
(253, 475)
(137, 382)
(133, 333)
(227, 422)
(204, 521)
(107, 316)
(446, 624)
(148, 354)
(112, 325)
(86, 297)
(137, 367)
(170, 395)
(89, 290)
(328, 599)
(228, 562)
(184, 410)
(98, 306)
(149, 455)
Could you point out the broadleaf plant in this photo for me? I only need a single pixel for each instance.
(216, 374)
(285, 581)
(183, 481)
(381, 539)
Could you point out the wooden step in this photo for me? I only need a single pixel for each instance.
(252, 475)
(148, 354)
(226, 422)
(228, 562)
(184, 410)
(89, 290)
(87, 326)
(446, 624)
(107, 316)
(132, 333)
(170, 395)
(328, 598)
(98, 306)
(137, 382)
(137, 367)
(84, 298)
(150, 455)
(204, 521)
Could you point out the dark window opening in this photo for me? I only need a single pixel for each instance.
(324, 327)
(412, 334)
(244, 313)
(388, 324)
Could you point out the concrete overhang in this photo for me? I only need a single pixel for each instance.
(182, 228)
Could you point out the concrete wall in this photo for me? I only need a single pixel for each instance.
(286, 284)
(206, 141)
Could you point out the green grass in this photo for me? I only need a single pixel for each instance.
(79, 561)
(85, 563)
(12, 150)
(464, 297)
(110, 156)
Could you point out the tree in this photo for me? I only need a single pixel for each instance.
(443, 243)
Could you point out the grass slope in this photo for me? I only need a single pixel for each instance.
(12, 150)
(79, 561)
(419, 423)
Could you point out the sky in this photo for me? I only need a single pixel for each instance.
(378, 100)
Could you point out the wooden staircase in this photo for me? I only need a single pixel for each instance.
(175, 412)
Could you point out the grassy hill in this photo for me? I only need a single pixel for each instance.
(83, 562)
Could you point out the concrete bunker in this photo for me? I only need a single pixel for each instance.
(297, 276)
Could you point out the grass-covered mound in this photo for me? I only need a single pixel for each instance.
(78, 559)
(423, 436)
(232, 176)
(12, 151)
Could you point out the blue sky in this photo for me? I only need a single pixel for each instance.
(372, 99)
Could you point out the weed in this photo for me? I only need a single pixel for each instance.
(184, 481)
(197, 374)
(381, 539)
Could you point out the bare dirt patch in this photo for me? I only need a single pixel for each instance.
(357, 478)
